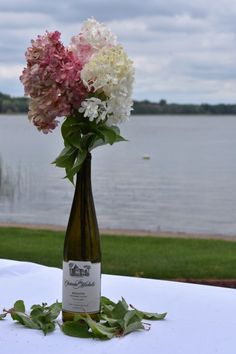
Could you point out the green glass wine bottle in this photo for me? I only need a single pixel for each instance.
(82, 252)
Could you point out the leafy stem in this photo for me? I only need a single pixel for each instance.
(116, 319)
(41, 317)
(81, 136)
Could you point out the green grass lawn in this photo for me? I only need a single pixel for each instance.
(149, 257)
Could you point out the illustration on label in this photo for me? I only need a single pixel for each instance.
(77, 271)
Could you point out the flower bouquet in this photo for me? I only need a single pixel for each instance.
(89, 83)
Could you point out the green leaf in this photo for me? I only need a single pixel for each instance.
(2, 316)
(150, 315)
(55, 310)
(132, 322)
(76, 329)
(109, 135)
(119, 317)
(120, 309)
(18, 311)
(66, 157)
(118, 136)
(48, 327)
(106, 301)
(78, 163)
(36, 312)
(107, 310)
(72, 135)
(131, 317)
(44, 323)
(100, 330)
(25, 320)
(69, 175)
(96, 142)
(19, 306)
(74, 139)
(134, 326)
(112, 322)
(75, 128)
(70, 121)
(45, 316)
(73, 170)
(87, 141)
(154, 316)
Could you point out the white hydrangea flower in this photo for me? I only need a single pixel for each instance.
(97, 34)
(93, 37)
(107, 69)
(94, 108)
(111, 71)
(118, 109)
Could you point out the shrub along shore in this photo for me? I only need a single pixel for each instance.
(207, 261)
(13, 105)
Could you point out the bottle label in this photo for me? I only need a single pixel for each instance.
(81, 287)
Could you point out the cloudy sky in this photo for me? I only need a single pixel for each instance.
(183, 50)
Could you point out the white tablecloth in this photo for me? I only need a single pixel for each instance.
(201, 319)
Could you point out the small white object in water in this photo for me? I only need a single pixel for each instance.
(146, 157)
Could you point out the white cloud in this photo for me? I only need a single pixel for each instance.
(183, 51)
(19, 20)
(10, 71)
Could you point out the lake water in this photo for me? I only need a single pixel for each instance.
(188, 184)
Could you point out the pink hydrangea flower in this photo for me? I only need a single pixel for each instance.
(52, 80)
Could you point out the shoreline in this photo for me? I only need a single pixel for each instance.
(127, 232)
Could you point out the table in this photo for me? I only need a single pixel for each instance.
(201, 319)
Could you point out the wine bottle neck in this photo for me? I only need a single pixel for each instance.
(83, 178)
(82, 234)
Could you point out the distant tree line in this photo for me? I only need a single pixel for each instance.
(147, 107)
(10, 104)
